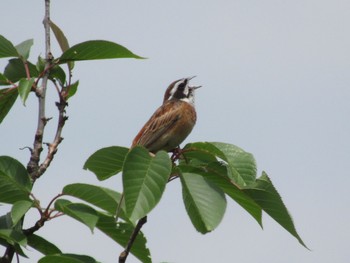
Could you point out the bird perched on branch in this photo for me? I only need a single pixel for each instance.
(173, 121)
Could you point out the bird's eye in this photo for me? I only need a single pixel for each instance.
(182, 85)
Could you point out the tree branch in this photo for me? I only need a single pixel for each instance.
(52, 147)
(44, 216)
(33, 164)
(125, 253)
(39, 224)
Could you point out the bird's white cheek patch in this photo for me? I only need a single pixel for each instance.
(186, 91)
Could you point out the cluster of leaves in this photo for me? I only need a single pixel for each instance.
(15, 189)
(209, 173)
(21, 76)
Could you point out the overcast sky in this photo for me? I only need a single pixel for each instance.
(276, 82)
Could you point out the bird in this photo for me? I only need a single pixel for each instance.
(170, 124)
(173, 121)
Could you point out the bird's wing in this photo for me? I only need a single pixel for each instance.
(161, 121)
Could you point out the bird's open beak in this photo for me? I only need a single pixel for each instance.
(193, 87)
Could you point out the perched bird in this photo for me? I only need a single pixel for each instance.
(172, 122)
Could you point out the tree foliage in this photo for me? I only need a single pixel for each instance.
(209, 172)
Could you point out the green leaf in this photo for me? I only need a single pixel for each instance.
(199, 154)
(57, 73)
(16, 246)
(3, 80)
(13, 237)
(40, 64)
(12, 234)
(62, 41)
(205, 149)
(241, 163)
(101, 197)
(72, 89)
(6, 221)
(106, 162)
(121, 232)
(81, 212)
(15, 70)
(144, 180)
(216, 173)
(6, 48)
(42, 245)
(7, 99)
(60, 37)
(15, 184)
(24, 87)
(19, 209)
(264, 193)
(96, 49)
(23, 49)
(205, 203)
(67, 258)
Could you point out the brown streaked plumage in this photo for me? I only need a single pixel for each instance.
(172, 122)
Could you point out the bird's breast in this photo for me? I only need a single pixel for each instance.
(186, 120)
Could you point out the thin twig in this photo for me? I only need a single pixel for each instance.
(41, 74)
(58, 214)
(44, 216)
(10, 89)
(125, 253)
(51, 202)
(173, 177)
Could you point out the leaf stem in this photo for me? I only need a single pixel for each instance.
(26, 67)
(51, 202)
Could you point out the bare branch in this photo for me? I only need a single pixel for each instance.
(33, 164)
(52, 147)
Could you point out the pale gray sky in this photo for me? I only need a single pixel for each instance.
(276, 82)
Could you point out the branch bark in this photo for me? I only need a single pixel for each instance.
(52, 147)
(125, 253)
